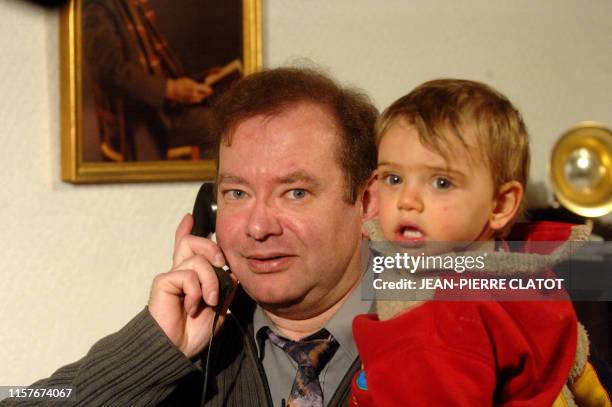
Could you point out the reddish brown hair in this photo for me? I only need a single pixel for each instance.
(272, 91)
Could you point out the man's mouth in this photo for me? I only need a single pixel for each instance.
(269, 262)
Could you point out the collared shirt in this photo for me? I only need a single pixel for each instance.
(280, 368)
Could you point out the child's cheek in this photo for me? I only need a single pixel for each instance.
(387, 215)
(446, 223)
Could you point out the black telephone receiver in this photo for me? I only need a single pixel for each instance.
(204, 220)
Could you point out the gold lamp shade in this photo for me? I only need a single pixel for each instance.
(581, 169)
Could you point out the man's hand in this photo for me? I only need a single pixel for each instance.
(186, 90)
(181, 299)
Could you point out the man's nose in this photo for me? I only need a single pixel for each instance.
(410, 199)
(263, 222)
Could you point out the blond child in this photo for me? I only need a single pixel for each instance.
(453, 159)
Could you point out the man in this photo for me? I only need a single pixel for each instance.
(143, 91)
(296, 153)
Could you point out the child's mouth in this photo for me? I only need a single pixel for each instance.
(409, 233)
(409, 236)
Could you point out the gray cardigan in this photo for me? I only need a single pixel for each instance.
(139, 366)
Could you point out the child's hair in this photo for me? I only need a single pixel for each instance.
(439, 107)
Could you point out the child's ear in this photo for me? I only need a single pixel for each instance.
(369, 200)
(506, 204)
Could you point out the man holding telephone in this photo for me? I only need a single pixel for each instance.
(295, 157)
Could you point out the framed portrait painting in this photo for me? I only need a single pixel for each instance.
(138, 78)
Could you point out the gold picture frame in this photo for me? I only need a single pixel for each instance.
(75, 168)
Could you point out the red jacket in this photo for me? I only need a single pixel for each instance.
(476, 353)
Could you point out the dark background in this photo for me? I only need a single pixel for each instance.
(202, 33)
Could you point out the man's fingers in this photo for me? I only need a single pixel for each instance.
(190, 284)
(183, 229)
(178, 283)
(195, 281)
(189, 246)
(209, 285)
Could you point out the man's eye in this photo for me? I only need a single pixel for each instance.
(234, 194)
(297, 193)
(392, 179)
(442, 183)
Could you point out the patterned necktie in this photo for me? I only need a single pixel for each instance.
(311, 354)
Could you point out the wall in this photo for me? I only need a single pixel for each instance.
(77, 261)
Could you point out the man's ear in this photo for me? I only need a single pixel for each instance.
(369, 201)
(506, 204)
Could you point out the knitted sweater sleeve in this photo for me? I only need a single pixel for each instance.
(138, 365)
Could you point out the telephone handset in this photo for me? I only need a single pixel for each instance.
(204, 219)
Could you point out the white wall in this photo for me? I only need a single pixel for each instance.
(76, 261)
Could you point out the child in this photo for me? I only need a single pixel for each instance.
(453, 158)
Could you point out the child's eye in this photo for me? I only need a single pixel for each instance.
(392, 179)
(297, 193)
(441, 183)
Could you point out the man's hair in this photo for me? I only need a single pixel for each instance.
(273, 91)
(459, 107)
